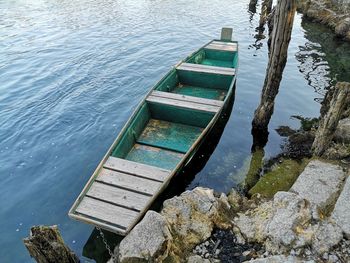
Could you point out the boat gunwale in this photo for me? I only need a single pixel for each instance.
(189, 154)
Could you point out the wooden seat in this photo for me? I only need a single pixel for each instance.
(222, 46)
(175, 96)
(207, 69)
(183, 104)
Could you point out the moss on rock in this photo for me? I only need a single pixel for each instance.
(280, 178)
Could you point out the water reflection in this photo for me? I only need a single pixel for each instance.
(324, 58)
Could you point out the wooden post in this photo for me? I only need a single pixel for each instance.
(45, 245)
(281, 34)
(329, 122)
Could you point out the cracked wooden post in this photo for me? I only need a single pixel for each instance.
(281, 34)
(329, 122)
(45, 245)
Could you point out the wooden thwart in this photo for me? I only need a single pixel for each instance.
(183, 104)
(137, 169)
(207, 69)
(128, 181)
(222, 46)
(175, 96)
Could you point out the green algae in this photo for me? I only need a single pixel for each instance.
(255, 167)
(280, 178)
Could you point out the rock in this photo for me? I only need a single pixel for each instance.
(197, 259)
(326, 236)
(192, 216)
(235, 200)
(337, 151)
(320, 183)
(276, 259)
(292, 216)
(276, 222)
(342, 133)
(341, 213)
(148, 241)
(343, 27)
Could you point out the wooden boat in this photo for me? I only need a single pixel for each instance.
(160, 138)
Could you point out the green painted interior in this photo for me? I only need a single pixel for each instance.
(216, 58)
(198, 84)
(154, 156)
(159, 134)
(169, 135)
(208, 93)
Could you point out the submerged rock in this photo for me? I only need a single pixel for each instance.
(281, 177)
(149, 241)
(320, 183)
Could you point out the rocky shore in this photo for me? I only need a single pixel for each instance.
(333, 13)
(310, 222)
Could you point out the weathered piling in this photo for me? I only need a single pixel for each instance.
(45, 245)
(281, 34)
(329, 122)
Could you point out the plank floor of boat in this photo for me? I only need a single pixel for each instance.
(163, 144)
(217, 63)
(207, 93)
(120, 194)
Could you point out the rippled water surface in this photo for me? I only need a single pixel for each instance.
(71, 72)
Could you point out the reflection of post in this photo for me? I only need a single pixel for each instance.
(45, 244)
(252, 6)
(255, 167)
(266, 7)
(329, 122)
(281, 34)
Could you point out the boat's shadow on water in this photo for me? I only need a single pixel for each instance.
(95, 248)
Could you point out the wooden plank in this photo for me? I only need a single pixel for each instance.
(207, 69)
(118, 196)
(222, 47)
(106, 212)
(183, 104)
(170, 135)
(187, 98)
(128, 181)
(142, 170)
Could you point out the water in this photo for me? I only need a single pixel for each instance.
(71, 72)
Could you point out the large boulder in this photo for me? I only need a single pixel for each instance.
(342, 133)
(277, 222)
(192, 216)
(149, 241)
(292, 216)
(326, 236)
(341, 213)
(320, 183)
